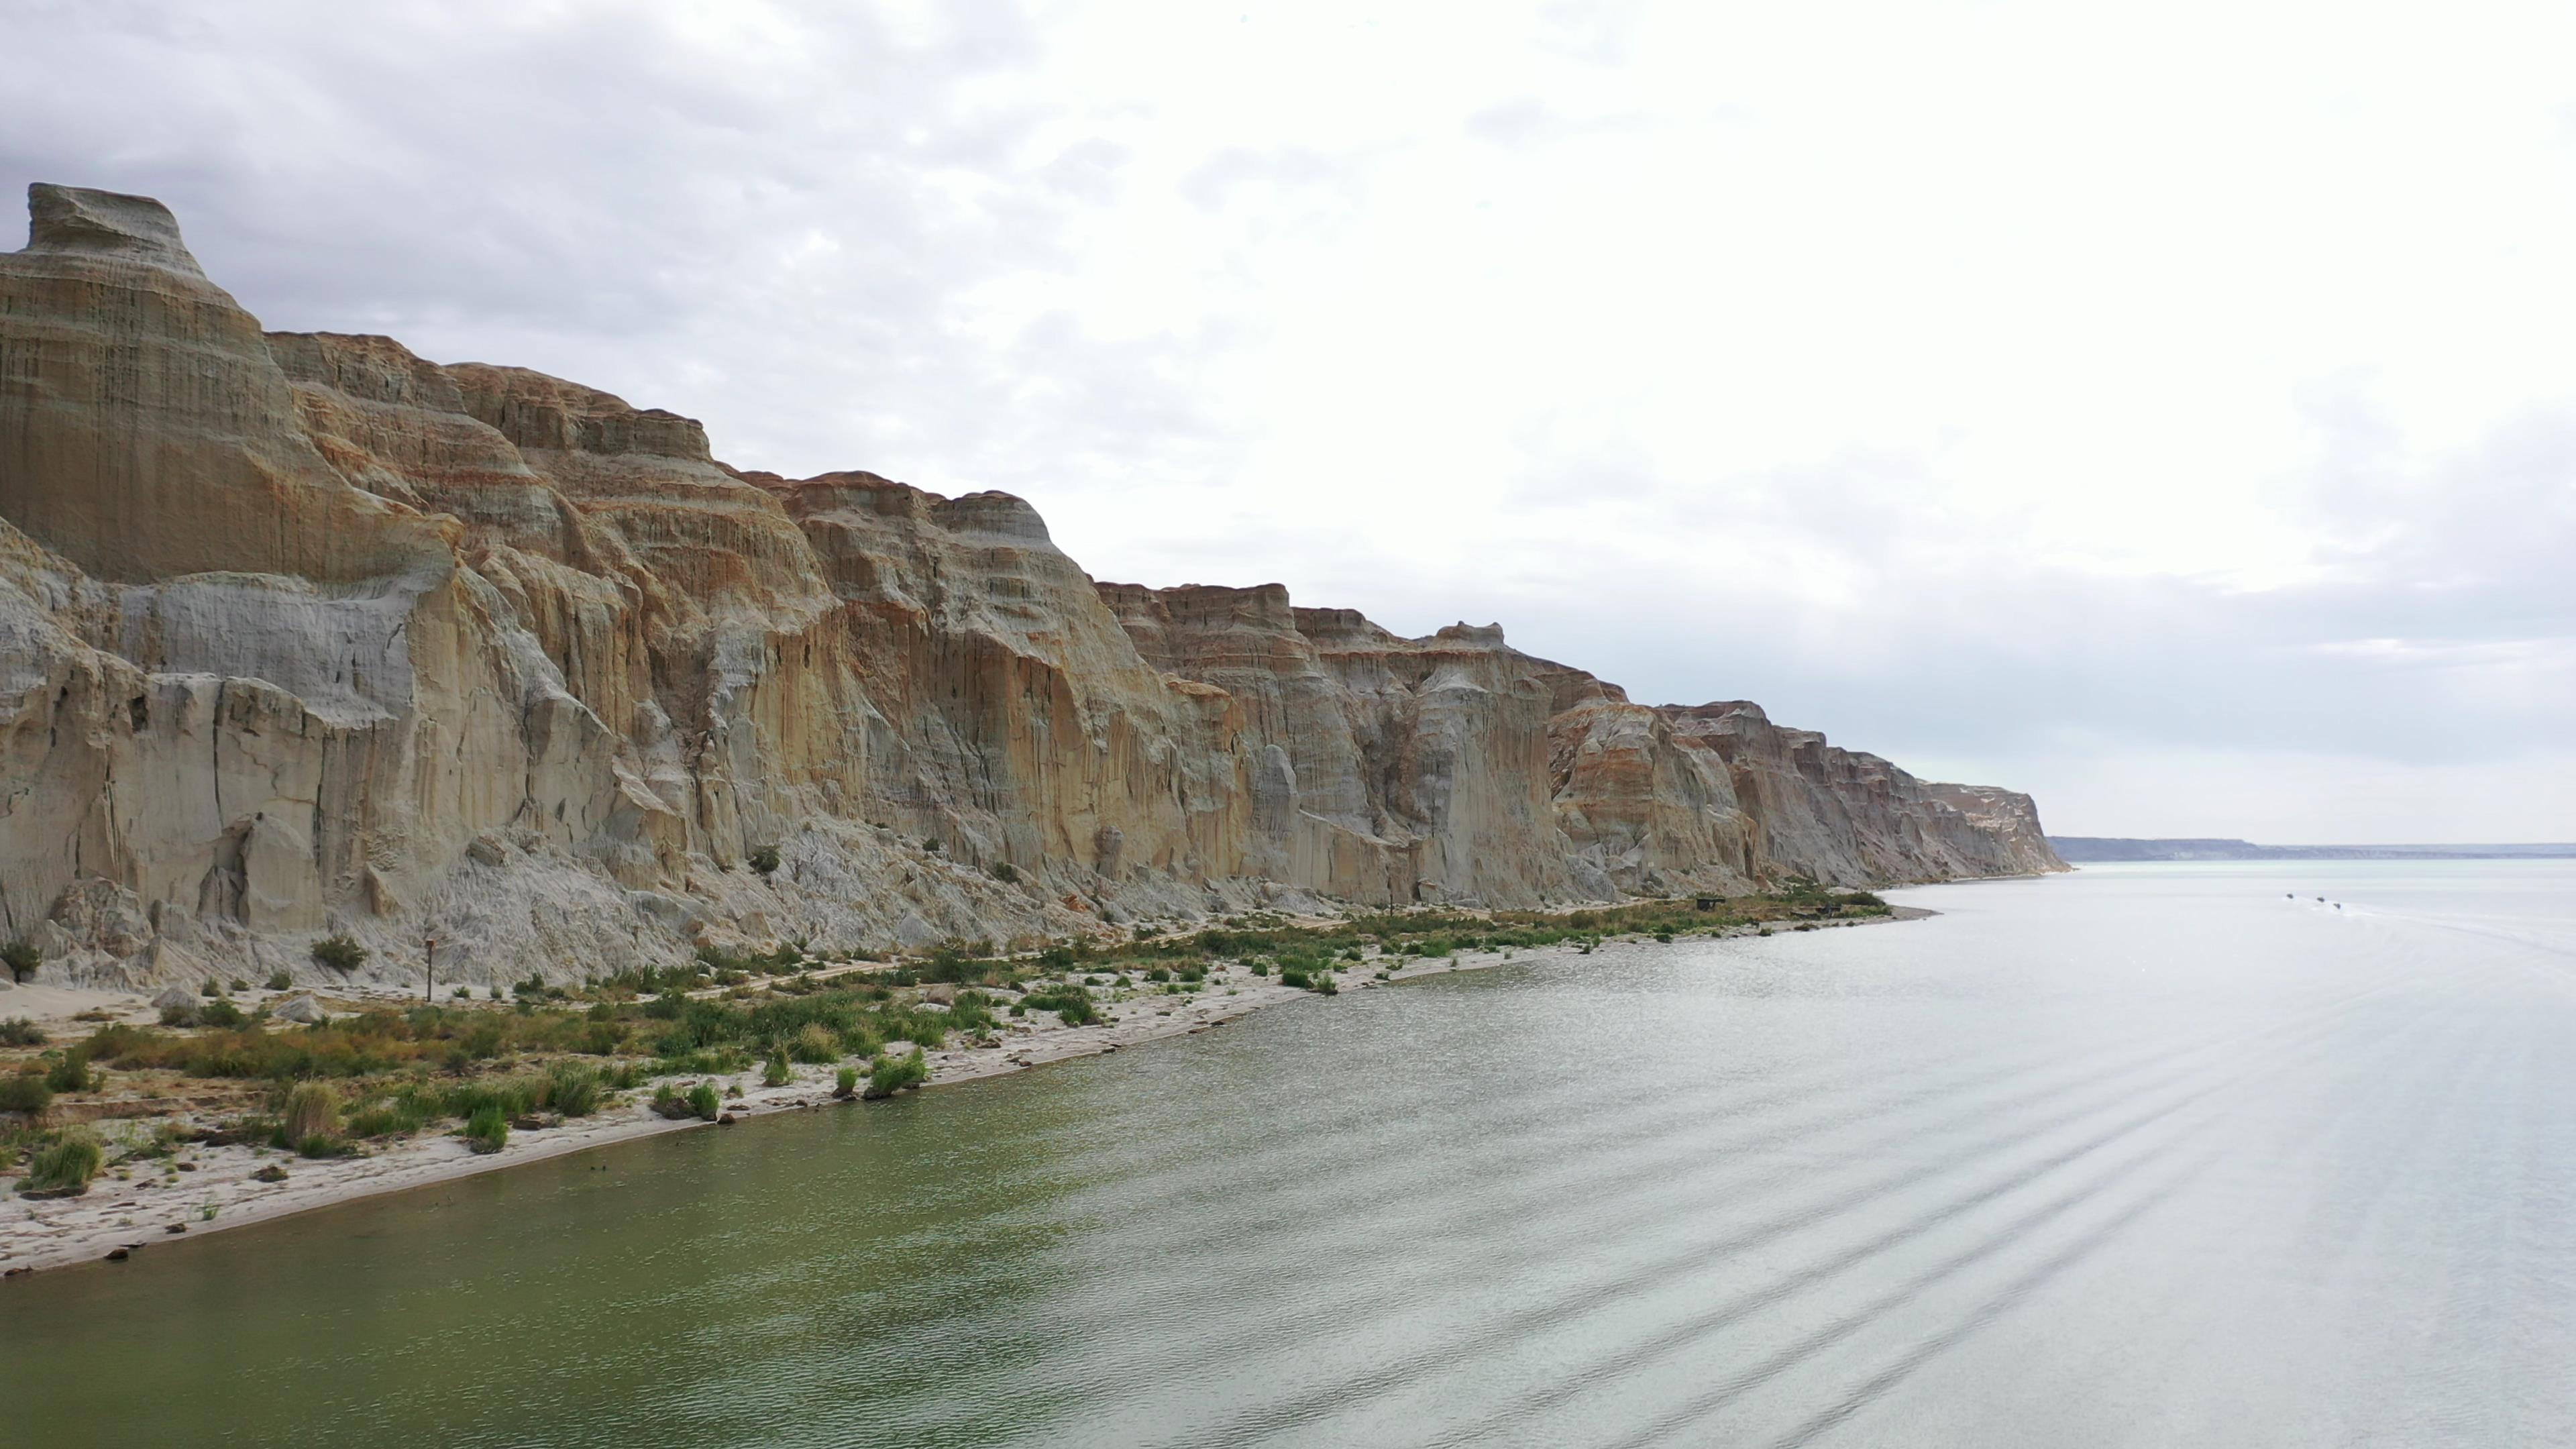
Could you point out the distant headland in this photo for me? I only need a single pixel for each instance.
(2097, 849)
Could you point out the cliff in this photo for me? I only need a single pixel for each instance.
(302, 633)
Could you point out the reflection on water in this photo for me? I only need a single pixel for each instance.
(2146, 1156)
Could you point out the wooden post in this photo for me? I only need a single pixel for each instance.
(429, 967)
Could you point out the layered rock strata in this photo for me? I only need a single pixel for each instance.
(302, 633)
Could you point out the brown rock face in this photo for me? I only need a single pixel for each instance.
(1458, 768)
(303, 633)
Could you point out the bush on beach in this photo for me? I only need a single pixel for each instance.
(572, 1088)
(308, 1113)
(897, 1074)
(25, 1091)
(488, 1130)
(71, 1073)
(64, 1167)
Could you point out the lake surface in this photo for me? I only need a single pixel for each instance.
(2144, 1156)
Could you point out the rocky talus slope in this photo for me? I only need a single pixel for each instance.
(301, 633)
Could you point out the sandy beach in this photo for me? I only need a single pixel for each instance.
(215, 1188)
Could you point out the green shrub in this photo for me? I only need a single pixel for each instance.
(339, 953)
(22, 958)
(510, 1095)
(572, 1088)
(221, 1012)
(25, 1091)
(896, 1074)
(705, 1102)
(1004, 871)
(814, 1043)
(279, 981)
(488, 1129)
(764, 858)
(668, 1103)
(398, 1117)
(845, 1083)
(65, 1168)
(483, 1040)
(18, 1031)
(972, 1011)
(776, 1074)
(1072, 1003)
(69, 1073)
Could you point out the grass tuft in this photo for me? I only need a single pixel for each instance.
(572, 1088)
(488, 1130)
(897, 1074)
(705, 1102)
(64, 1168)
(309, 1112)
(25, 1091)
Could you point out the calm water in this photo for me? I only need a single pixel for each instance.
(2145, 1156)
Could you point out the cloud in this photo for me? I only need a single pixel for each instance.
(2011, 390)
(1223, 177)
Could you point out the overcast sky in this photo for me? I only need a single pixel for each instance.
(2169, 410)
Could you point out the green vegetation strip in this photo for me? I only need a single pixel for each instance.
(563, 1052)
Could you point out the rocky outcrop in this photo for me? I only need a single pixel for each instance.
(1458, 768)
(303, 633)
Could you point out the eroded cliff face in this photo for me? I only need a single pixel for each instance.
(303, 633)
(1458, 768)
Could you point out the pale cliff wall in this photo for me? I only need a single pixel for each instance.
(1477, 772)
(302, 633)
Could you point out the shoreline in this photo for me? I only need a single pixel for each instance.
(128, 1216)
